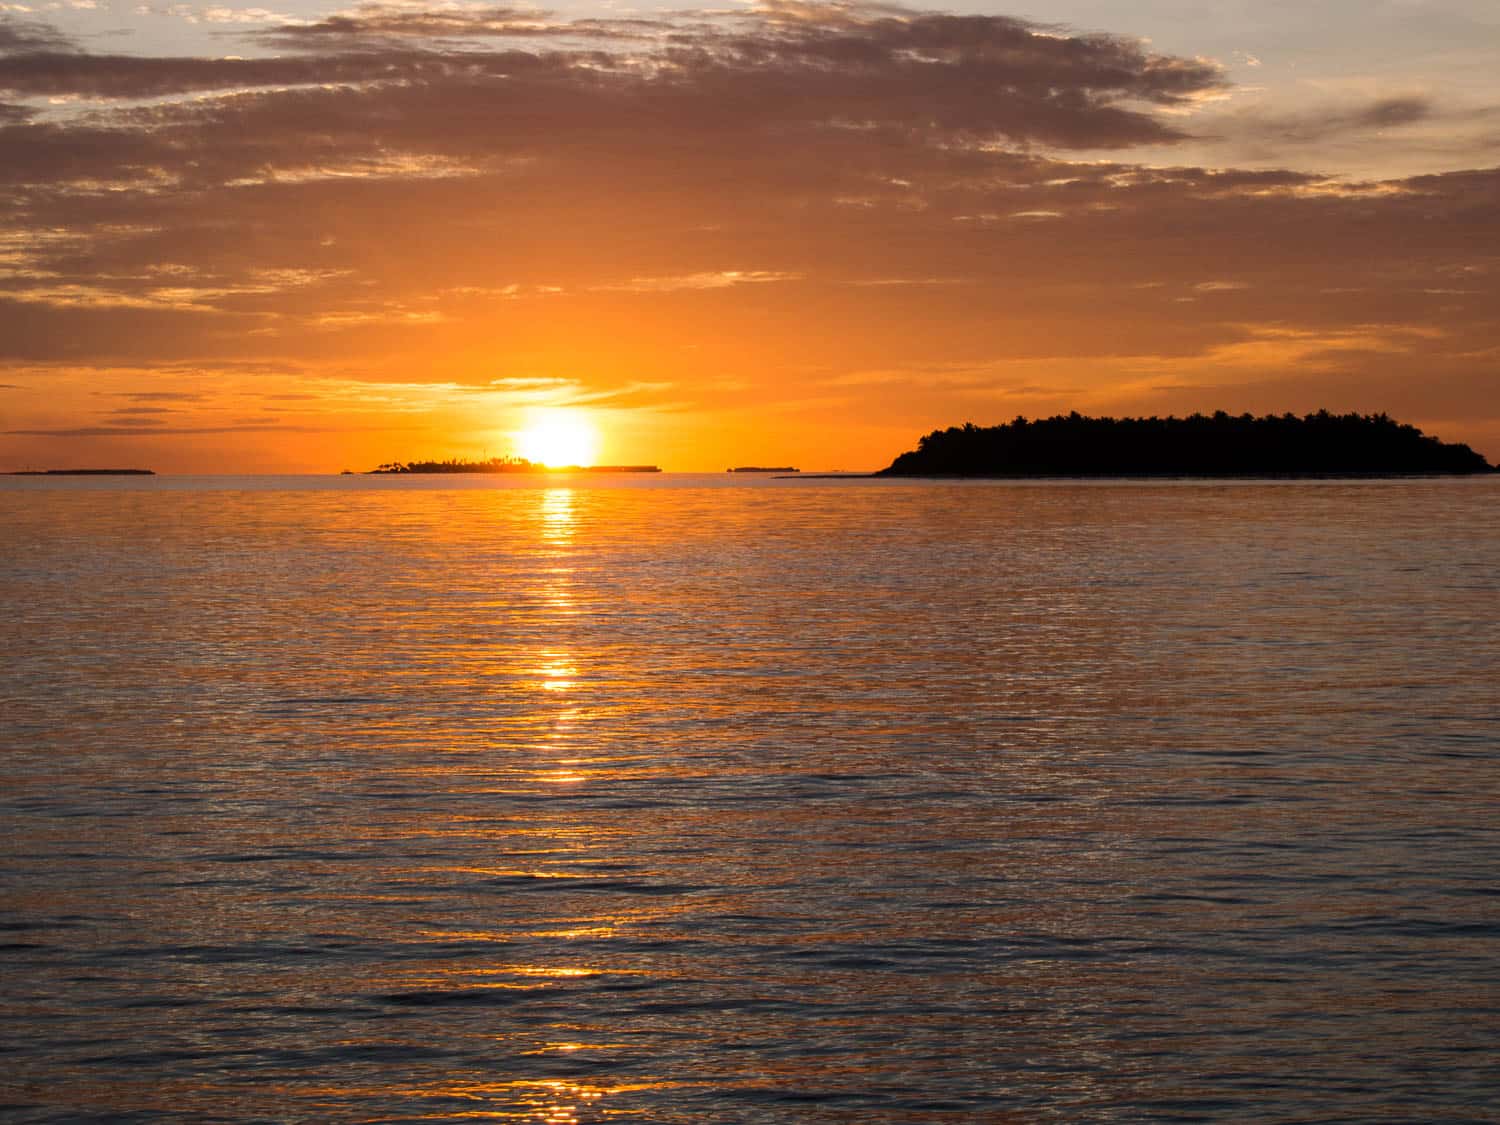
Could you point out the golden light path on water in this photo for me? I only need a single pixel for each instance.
(679, 801)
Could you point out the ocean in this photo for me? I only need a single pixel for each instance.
(712, 799)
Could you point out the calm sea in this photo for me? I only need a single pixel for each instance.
(694, 799)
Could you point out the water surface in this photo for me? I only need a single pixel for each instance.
(695, 799)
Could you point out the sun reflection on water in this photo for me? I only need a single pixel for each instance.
(558, 672)
(559, 515)
(553, 1101)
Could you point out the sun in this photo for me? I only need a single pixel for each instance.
(558, 437)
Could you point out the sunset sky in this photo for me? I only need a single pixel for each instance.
(306, 238)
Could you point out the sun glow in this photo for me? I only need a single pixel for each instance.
(559, 437)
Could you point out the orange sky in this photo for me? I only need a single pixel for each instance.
(799, 234)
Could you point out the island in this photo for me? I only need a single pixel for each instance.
(762, 469)
(1217, 445)
(502, 465)
(83, 473)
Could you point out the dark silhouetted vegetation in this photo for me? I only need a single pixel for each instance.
(504, 465)
(83, 473)
(1220, 445)
(459, 465)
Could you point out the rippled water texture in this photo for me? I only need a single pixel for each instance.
(779, 802)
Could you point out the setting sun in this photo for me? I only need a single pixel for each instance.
(559, 437)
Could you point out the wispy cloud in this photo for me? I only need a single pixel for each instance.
(707, 279)
(1323, 122)
(138, 430)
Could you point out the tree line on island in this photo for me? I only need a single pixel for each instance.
(461, 465)
(1217, 445)
(502, 465)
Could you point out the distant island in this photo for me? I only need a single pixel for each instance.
(503, 465)
(1218, 445)
(762, 469)
(83, 473)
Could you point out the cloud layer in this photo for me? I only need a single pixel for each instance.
(805, 207)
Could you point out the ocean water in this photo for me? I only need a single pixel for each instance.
(693, 799)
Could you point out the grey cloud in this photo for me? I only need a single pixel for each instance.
(1008, 52)
(775, 108)
(1329, 121)
(1394, 111)
(18, 35)
(985, 74)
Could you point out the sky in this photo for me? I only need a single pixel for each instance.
(304, 237)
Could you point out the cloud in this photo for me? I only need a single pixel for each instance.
(379, 26)
(160, 396)
(1391, 112)
(21, 36)
(713, 279)
(139, 430)
(214, 15)
(54, 73)
(1323, 122)
(173, 205)
(786, 64)
(938, 211)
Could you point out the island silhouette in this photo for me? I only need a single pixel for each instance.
(1217, 445)
(502, 465)
(82, 473)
